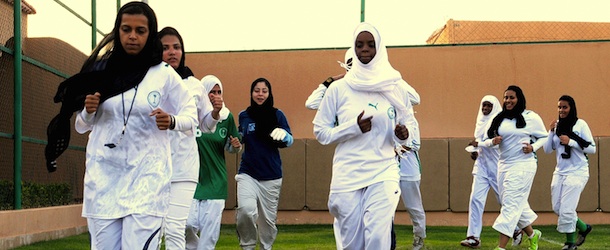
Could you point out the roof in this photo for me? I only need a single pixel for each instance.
(25, 7)
(463, 32)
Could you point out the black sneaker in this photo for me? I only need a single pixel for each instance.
(583, 235)
(569, 246)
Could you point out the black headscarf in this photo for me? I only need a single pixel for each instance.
(117, 73)
(515, 113)
(182, 70)
(264, 115)
(564, 127)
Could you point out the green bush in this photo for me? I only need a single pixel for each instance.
(35, 195)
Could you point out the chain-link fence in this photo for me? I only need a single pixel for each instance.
(474, 32)
(45, 63)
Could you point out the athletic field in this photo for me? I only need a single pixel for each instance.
(321, 237)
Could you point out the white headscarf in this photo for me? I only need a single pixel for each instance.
(209, 82)
(483, 120)
(377, 75)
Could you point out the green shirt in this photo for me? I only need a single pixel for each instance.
(213, 170)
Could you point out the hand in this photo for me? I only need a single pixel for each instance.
(553, 125)
(497, 140)
(278, 134)
(527, 148)
(401, 132)
(92, 102)
(234, 142)
(163, 119)
(473, 143)
(474, 155)
(217, 106)
(564, 140)
(364, 124)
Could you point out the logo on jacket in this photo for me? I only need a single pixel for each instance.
(374, 106)
(222, 132)
(154, 98)
(391, 113)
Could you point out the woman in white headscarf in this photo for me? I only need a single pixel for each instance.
(372, 110)
(203, 223)
(484, 171)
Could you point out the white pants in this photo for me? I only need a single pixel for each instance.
(256, 214)
(205, 218)
(365, 216)
(565, 194)
(478, 197)
(411, 197)
(514, 187)
(337, 233)
(181, 197)
(134, 231)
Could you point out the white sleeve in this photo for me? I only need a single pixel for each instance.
(414, 140)
(548, 145)
(538, 131)
(84, 121)
(413, 95)
(182, 101)
(324, 122)
(487, 142)
(313, 101)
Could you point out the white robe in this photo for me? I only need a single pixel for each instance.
(134, 177)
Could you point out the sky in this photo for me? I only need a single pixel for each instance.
(237, 25)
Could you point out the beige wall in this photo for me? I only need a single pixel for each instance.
(450, 79)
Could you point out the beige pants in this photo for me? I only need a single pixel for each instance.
(256, 215)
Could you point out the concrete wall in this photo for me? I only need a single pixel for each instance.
(24, 227)
(446, 177)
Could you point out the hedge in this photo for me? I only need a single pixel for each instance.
(35, 195)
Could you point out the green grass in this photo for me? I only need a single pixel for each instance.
(321, 237)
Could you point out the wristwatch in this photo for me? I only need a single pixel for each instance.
(328, 81)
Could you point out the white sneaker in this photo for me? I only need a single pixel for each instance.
(517, 237)
(418, 242)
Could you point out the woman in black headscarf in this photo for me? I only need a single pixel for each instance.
(572, 140)
(130, 99)
(185, 157)
(264, 130)
(519, 133)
